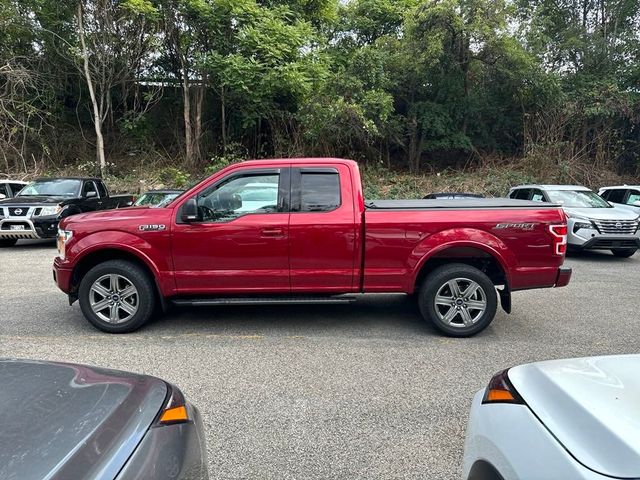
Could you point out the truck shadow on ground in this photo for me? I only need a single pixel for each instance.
(26, 245)
(370, 316)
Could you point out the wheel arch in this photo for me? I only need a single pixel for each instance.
(95, 257)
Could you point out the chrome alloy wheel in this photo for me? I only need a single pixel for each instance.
(113, 298)
(460, 302)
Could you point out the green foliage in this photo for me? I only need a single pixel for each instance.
(418, 84)
(174, 177)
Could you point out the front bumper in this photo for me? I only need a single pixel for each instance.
(608, 242)
(62, 275)
(28, 228)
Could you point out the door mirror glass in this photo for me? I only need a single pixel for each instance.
(91, 194)
(2, 195)
(189, 211)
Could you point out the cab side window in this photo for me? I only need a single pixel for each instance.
(319, 191)
(238, 196)
(87, 188)
(634, 197)
(16, 187)
(521, 194)
(616, 195)
(102, 190)
(538, 196)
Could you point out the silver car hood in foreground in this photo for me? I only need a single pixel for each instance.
(614, 213)
(591, 406)
(64, 421)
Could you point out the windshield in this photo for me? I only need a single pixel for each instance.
(55, 188)
(156, 199)
(577, 199)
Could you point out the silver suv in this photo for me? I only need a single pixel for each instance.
(593, 223)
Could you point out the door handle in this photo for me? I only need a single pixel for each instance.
(272, 232)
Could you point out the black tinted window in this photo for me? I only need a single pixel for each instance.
(615, 196)
(521, 194)
(88, 187)
(320, 192)
(102, 191)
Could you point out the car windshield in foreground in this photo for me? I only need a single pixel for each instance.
(56, 188)
(577, 199)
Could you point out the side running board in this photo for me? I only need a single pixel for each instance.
(292, 300)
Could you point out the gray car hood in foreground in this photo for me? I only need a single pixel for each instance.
(591, 406)
(613, 213)
(64, 421)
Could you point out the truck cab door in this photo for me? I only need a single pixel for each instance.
(91, 201)
(323, 230)
(240, 240)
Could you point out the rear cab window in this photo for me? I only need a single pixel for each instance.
(318, 191)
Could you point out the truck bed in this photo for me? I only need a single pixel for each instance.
(465, 204)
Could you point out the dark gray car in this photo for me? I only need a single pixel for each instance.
(64, 421)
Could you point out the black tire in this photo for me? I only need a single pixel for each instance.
(8, 242)
(437, 281)
(132, 273)
(624, 252)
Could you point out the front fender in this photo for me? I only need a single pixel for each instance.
(439, 242)
(154, 255)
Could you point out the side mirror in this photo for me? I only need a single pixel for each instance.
(92, 194)
(2, 196)
(189, 211)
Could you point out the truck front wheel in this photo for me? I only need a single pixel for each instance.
(117, 296)
(458, 299)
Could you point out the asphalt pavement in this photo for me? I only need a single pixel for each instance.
(367, 390)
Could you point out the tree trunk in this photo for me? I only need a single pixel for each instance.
(97, 115)
(186, 112)
(223, 121)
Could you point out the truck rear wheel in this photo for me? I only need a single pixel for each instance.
(459, 300)
(8, 242)
(623, 252)
(117, 296)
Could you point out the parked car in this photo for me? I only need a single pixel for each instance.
(157, 198)
(62, 420)
(451, 196)
(627, 196)
(593, 223)
(36, 210)
(10, 188)
(299, 231)
(572, 419)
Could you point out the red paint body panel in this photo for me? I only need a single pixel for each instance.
(349, 249)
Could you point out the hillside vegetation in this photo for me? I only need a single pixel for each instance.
(425, 94)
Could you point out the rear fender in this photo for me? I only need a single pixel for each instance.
(438, 243)
(157, 260)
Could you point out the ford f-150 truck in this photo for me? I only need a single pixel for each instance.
(300, 231)
(36, 210)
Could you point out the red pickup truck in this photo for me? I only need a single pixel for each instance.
(300, 231)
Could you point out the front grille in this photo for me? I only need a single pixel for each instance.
(18, 211)
(617, 227)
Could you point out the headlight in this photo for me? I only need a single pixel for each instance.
(582, 224)
(46, 211)
(63, 237)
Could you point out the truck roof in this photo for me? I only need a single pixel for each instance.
(13, 181)
(42, 179)
(620, 186)
(579, 188)
(301, 161)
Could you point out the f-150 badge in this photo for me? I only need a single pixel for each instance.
(521, 226)
(152, 228)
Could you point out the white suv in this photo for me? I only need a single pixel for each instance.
(593, 223)
(624, 196)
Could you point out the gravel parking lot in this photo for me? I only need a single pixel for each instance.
(298, 392)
